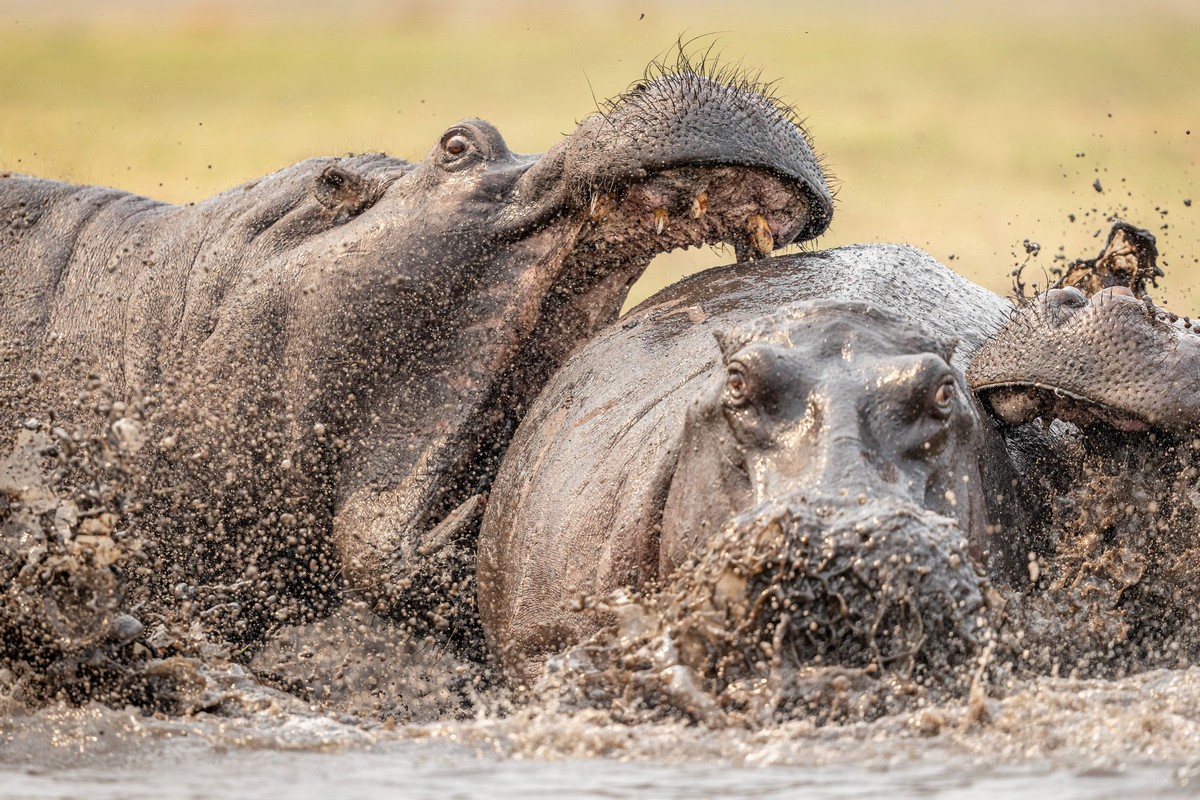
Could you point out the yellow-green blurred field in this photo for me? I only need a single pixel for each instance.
(963, 128)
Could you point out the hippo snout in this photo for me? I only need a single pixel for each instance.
(879, 586)
(824, 407)
(1110, 358)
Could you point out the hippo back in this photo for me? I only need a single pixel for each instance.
(575, 511)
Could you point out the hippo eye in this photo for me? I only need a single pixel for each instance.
(942, 399)
(735, 385)
(456, 144)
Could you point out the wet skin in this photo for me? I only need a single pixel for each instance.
(1095, 349)
(1141, 371)
(331, 359)
(659, 437)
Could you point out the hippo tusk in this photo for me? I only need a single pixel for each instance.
(660, 219)
(761, 239)
(601, 205)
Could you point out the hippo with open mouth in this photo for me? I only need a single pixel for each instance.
(823, 468)
(323, 366)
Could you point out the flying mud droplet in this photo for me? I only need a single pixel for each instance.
(129, 434)
(700, 205)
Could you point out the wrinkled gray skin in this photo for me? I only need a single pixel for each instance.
(1142, 370)
(653, 437)
(1095, 349)
(649, 439)
(335, 355)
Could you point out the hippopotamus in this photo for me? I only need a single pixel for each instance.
(323, 366)
(831, 385)
(1112, 569)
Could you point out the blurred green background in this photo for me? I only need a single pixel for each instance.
(963, 128)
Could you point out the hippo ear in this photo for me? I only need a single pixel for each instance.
(345, 193)
(949, 345)
(729, 342)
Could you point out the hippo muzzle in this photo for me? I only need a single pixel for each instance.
(831, 408)
(884, 588)
(1112, 358)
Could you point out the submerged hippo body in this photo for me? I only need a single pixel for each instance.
(636, 451)
(722, 406)
(329, 360)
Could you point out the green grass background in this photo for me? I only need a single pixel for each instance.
(963, 128)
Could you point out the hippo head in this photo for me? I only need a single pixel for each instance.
(505, 264)
(826, 484)
(1094, 350)
(478, 249)
(833, 466)
(1112, 358)
(834, 407)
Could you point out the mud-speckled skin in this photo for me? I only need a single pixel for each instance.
(1111, 357)
(578, 505)
(346, 345)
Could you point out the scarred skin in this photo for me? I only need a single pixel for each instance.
(330, 359)
(660, 436)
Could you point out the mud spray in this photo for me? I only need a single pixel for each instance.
(854, 653)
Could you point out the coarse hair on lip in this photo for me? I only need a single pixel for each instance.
(692, 64)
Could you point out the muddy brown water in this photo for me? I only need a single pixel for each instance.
(1055, 737)
(373, 714)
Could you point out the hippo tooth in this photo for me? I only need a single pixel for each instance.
(699, 205)
(600, 206)
(660, 219)
(760, 234)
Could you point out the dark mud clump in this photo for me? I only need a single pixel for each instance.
(790, 613)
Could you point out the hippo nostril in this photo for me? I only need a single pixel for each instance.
(1063, 303)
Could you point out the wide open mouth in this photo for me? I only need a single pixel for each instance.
(749, 208)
